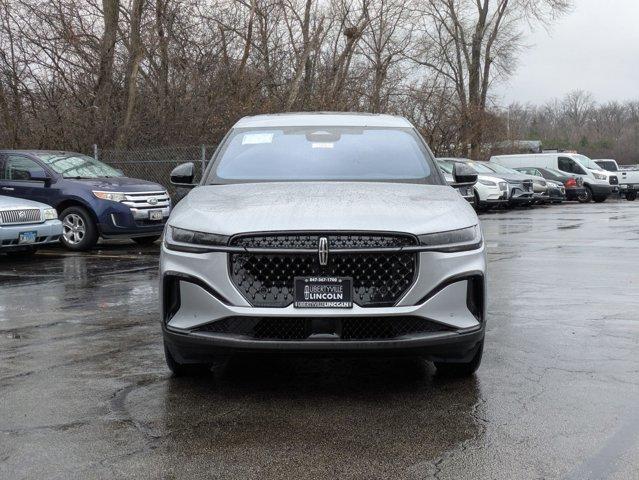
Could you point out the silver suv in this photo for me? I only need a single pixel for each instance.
(323, 233)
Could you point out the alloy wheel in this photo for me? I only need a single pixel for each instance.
(74, 229)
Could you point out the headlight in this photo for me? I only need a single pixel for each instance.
(113, 196)
(198, 238)
(599, 176)
(454, 240)
(488, 183)
(50, 214)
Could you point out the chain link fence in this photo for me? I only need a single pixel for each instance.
(155, 164)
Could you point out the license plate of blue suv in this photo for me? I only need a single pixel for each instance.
(323, 292)
(27, 237)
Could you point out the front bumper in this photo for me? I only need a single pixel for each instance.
(197, 295)
(46, 232)
(119, 220)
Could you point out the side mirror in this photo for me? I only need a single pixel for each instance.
(183, 174)
(38, 175)
(464, 175)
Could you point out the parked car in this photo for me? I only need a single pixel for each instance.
(573, 185)
(628, 178)
(26, 225)
(303, 237)
(92, 199)
(488, 192)
(596, 185)
(519, 188)
(466, 191)
(540, 188)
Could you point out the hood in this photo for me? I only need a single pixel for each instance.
(346, 206)
(11, 203)
(119, 184)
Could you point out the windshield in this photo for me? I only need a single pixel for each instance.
(446, 166)
(586, 162)
(495, 167)
(480, 167)
(323, 153)
(76, 165)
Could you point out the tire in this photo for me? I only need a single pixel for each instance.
(146, 240)
(599, 199)
(586, 196)
(461, 369)
(79, 232)
(631, 196)
(181, 369)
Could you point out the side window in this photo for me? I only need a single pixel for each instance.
(2, 169)
(566, 164)
(18, 167)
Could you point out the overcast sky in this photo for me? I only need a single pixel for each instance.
(593, 48)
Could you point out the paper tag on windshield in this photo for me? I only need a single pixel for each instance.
(257, 138)
(322, 145)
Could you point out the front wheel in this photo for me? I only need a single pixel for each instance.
(146, 240)
(631, 196)
(461, 369)
(79, 231)
(586, 196)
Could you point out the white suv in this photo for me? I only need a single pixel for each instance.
(323, 233)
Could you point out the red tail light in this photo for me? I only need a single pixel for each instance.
(571, 182)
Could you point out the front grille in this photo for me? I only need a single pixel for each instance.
(147, 200)
(528, 185)
(341, 328)
(311, 240)
(613, 180)
(379, 278)
(12, 217)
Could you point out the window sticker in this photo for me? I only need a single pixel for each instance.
(322, 145)
(257, 138)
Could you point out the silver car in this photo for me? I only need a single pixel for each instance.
(325, 234)
(26, 225)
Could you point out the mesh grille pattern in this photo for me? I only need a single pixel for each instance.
(346, 328)
(335, 241)
(379, 279)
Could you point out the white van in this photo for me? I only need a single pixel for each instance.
(597, 184)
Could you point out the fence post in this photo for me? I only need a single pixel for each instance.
(95, 151)
(203, 159)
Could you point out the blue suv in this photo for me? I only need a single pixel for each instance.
(92, 199)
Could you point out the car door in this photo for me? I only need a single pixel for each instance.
(15, 178)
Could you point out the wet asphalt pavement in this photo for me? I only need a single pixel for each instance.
(84, 392)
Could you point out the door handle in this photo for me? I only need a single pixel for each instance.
(8, 189)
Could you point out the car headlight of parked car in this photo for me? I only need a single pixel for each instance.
(113, 196)
(453, 240)
(488, 183)
(599, 176)
(193, 241)
(50, 214)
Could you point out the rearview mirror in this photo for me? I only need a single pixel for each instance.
(463, 175)
(182, 175)
(38, 175)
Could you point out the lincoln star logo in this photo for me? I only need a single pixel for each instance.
(322, 251)
(22, 214)
(152, 201)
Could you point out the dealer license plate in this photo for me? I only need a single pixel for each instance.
(155, 215)
(27, 237)
(323, 292)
